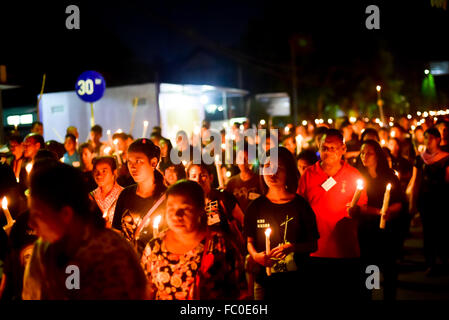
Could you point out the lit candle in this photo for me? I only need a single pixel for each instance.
(382, 142)
(109, 137)
(267, 247)
(145, 128)
(107, 150)
(383, 211)
(156, 222)
(9, 219)
(29, 167)
(357, 193)
(299, 139)
(117, 152)
(219, 173)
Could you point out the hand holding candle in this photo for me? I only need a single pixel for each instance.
(9, 219)
(267, 247)
(383, 211)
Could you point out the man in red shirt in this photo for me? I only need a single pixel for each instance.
(329, 187)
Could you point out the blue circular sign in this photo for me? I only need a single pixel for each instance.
(90, 86)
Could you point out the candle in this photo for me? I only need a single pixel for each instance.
(145, 127)
(219, 173)
(383, 211)
(28, 167)
(107, 150)
(267, 247)
(357, 193)
(156, 222)
(9, 219)
(109, 137)
(299, 139)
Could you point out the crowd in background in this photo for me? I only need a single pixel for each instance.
(140, 226)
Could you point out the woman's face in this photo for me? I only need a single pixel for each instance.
(368, 156)
(103, 175)
(275, 178)
(181, 215)
(393, 146)
(202, 177)
(140, 167)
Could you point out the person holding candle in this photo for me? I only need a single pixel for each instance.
(293, 234)
(32, 143)
(428, 191)
(174, 173)
(188, 260)
(329, 186)
(71, 157)
(135, 201)
(86, 154)
(96, 132)
(378, 246)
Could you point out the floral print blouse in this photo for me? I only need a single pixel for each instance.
(196, 274)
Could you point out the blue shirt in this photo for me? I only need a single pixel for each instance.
(73, 160)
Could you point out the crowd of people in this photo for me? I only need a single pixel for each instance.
(138, 225)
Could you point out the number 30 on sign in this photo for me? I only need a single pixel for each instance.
(90, 86)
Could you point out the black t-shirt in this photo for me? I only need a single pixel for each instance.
(296, 216)
(244, 191)
(375, 190)
(131, 209)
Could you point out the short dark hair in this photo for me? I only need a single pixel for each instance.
(97, 129)
(147, 147)
(71, 136)
(179, 169)
(202, 165)
(334, 133)
(308, 155)
(15, 138)
(120, 135)
(434, 132)
(37, 138)
(59, 185)
(36, 123)
(190, 189)
(105, 159)
(87, 146)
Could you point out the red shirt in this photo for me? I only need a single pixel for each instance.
(338, 232)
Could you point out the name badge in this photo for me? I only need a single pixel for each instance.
(76, 164)
(213, 219)
(328, 184)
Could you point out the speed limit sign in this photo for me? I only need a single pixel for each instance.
(90, 86)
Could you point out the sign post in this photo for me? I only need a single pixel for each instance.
(90, 87)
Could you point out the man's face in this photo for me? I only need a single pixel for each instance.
(444, 130)
(95, 136)
(431, 142)
(331, 150)
(103, 175)
(242, 160)
(30, 148)
(45, 221)
(16, 149)
(39, 129)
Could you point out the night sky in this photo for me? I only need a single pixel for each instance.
(129, 41)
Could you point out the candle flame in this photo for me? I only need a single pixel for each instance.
(184, 163)
(267, 232)
(107, 150)
(389, 186)
(109, 132)
(145, 123)
(4, 203)
(378, 88)
(217, 158)
(119, 131)
(360, 184)
(28, 167)
(156, 222)
(115, 141)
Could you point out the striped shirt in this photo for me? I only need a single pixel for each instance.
(107, 204)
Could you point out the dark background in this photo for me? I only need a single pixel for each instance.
(234, 44)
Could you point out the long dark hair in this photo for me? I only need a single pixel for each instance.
(288, 160)
(382, 167)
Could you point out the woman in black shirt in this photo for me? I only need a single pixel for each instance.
(135, 201)
(294, 232)
(381, 246)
